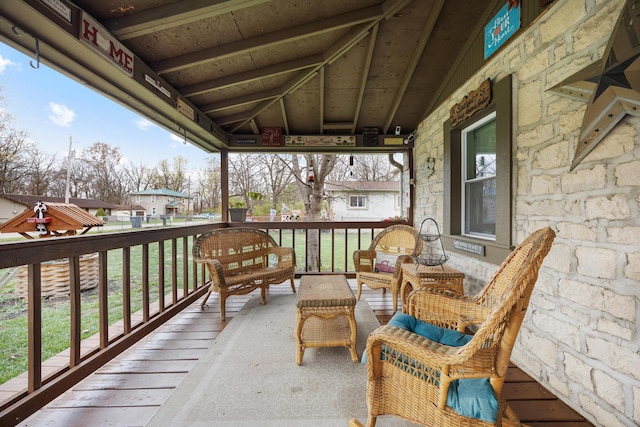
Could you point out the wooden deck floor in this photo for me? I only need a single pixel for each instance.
(131, 388)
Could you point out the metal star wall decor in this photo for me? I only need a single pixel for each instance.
(612, 84)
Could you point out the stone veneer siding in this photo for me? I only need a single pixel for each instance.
(580, 338)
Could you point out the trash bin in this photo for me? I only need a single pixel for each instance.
(164, 219)
(136, 221)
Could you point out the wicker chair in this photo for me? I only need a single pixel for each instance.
(419, 394)
(399, 240)
(240, 260)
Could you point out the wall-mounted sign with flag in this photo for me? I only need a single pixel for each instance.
(501, 27)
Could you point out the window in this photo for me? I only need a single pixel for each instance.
(479, 178)
(153, 199)
(357, 202)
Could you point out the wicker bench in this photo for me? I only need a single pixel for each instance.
(240, 260)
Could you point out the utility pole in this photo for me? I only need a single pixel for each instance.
(66, 192)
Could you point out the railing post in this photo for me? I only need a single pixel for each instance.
(35, 327)
(126, 289)
(145, 283)
(185, 266)
(161, 276)
(103, 299)
(75, 309)
(174, 271)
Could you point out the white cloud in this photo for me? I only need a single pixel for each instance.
(143, 124)
(61, 115)
(4, 63)
(177, 138)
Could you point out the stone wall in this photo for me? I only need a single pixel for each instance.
(581, 337)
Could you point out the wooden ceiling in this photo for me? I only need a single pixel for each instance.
(221, 71)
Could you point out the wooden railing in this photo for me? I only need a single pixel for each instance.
(170, 282)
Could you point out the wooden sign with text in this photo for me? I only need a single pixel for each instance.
(271, 137)
(471, 104)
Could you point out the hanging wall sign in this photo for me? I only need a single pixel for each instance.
(96, 36)
(271, 137)
(60, 8)
(157, 84)
(320, 140)
(185, 109)
(471, 104)
(501, 27)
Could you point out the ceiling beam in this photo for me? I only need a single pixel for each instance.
(284, 116)
(339, 126)
(172, 15)
(345, 43)
(369, 14)
(250, 98)
(476, 33)
(434, 13)
(364, 76)
(245, 117)
(251, 75)
(304, 76)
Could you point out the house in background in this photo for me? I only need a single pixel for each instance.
(363, 200)
(124, 212)
(160, 202)
(14, 204)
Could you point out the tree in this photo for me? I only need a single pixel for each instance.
(311, 171)
(208, 187)
(171, 176)
(42, 172)
(362, 167)
(101, 166)
(245, 172)
(138, 177)
(277, 177)
(13, 155)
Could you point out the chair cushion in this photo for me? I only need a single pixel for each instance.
(385, 263)
(471, 397)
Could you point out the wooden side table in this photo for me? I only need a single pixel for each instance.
(325, 314)
(423, 276)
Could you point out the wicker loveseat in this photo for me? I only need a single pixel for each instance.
(240, 260)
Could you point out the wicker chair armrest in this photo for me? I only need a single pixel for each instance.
(402, 259)
(286, 256)
(467, 361)
(445, 308)
(216, 271)
(411, 345)
(369, 256)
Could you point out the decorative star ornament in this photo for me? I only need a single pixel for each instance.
(611, 85)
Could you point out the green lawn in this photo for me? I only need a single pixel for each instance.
(56, 311)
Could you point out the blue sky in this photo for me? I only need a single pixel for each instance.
(52, 108)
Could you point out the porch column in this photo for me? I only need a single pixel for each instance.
(224, 184)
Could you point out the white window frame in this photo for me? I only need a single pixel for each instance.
(464, 181)
(358, 197)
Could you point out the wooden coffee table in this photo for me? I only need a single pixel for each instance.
(325, 314)
(422, 276)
